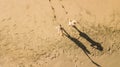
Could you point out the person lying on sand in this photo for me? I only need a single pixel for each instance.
(72, 22)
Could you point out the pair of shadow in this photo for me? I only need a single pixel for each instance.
(94, 44)
(81, 45)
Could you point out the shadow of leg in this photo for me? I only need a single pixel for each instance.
(93, 61)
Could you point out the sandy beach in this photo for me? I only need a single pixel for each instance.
(29, 37)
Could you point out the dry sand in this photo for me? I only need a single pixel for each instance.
(28, 35)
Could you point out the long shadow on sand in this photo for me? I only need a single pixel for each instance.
(93, 43)
(81, 45)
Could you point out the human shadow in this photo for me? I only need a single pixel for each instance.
(78, 43)
(81, 45)
(94, 44)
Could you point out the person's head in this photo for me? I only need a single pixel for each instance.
(60, 25)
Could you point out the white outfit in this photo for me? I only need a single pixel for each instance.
(72, 22)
